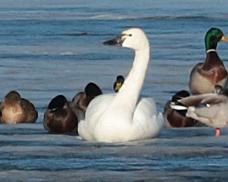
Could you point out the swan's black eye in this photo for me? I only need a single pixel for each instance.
(130, 35)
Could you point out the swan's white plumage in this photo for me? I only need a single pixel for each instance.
(122, 116)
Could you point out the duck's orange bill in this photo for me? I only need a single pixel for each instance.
(225, 39)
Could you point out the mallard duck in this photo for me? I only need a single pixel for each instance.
(205, 76)
(82, 99)
(15, 109)
(118, 83)
(122, 116)
(210, 109)
(59, 117)
(177, 118)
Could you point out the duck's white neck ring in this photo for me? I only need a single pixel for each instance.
(211, 50)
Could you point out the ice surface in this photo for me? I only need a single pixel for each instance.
(28, 153)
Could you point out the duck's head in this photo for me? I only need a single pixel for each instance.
(13, 96)
(213, 36)
(133, 38)
(57, 102)
(92, 90)
(179, 95)
(118, 83)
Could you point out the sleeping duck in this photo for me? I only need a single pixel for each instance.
(59, 117)
(15, 109)
(177, 118)
(204, 76)
(210, 109)
(82, 99)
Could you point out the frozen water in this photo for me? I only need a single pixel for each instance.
(28, 153)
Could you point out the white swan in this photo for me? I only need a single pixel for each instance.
(122, 117)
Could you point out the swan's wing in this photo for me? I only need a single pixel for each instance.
(146, 120)
(97, 106)
(95, 109)
(146, 107)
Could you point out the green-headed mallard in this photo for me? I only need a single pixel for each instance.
(205, 76)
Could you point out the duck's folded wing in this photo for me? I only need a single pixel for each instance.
(197, 99)
(214, 100)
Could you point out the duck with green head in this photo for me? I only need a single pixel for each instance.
(204, 76)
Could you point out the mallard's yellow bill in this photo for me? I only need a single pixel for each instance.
(118, 86)
(225, 39)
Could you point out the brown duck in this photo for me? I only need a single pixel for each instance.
(15, 109)
(82, 99)
(205, 76)
(59, 117)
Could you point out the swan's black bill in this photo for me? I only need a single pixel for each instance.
(116, 41)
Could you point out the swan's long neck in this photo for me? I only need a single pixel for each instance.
(130, 91)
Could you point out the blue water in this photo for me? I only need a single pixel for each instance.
(53, 47)
(50, 47)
